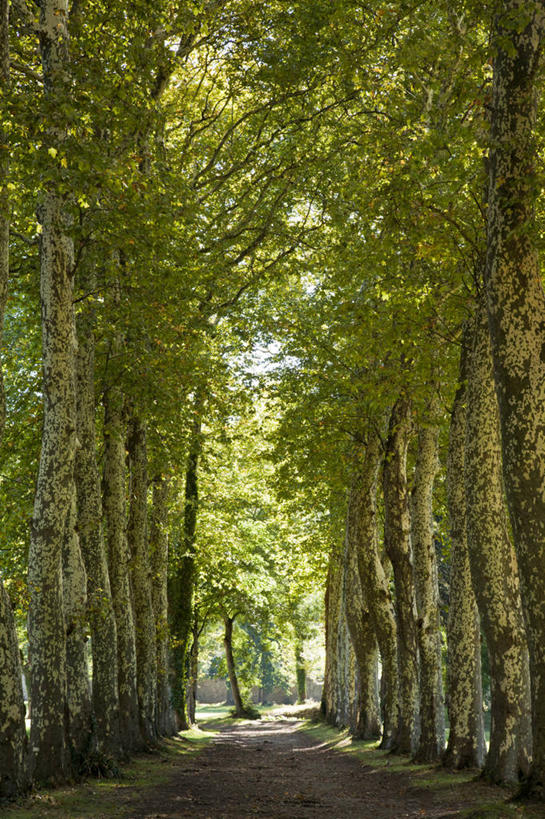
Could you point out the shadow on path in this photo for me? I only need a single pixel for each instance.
(270, 769)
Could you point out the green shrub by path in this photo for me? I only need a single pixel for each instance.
(103, 798)
(475, 798)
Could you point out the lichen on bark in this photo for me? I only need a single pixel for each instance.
(397, 543)
(432, 719)
(494, 569)
(466, 746)
(516, 316)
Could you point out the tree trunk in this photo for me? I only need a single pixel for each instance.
(332, 594)
(91, 536)
(516, 314)
(362, 635)
(46, 633)
(300, 672)
(228, 643)
(137, 534)
(13, 741)
(159, 573)
(466, 743)
(77, 672)
(432, 718)
(397, 542)
(193, 674)
(181, 586)
(341, 691)
(494, 570)
(118, 564)
(373, 578)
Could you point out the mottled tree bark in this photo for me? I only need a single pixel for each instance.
(494, 570)
(181, 584)
(362, 635)
(159, 573)
(466, 746)
(340, 695)
(137, 534)
(516, 314)
(99, 597)
(114, 502)
(74, 580)
(46, 632)
(372, 575)
(13, 744)
(432, 718)
(397, 542)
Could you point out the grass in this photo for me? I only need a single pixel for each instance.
(104, 798)
(475, 798)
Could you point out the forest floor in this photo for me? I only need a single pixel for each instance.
(279, 766)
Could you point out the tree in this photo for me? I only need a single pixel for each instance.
(516, 314)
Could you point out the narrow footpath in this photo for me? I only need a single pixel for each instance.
(272, 769)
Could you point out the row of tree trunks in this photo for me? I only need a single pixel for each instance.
(466, 743)
(13, 744)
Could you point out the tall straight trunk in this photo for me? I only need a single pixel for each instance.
(300, 672)
(193, 674)
(13, 745)
(231, 669)
(397, 542)
(91, 536)
(494, 570)
(362, 634)
(46, 630)
(432, 718)
(146, 642)
(466, 743)
(114, 503)
(181, 585)
(340, 695)
(79, 708)
(373, 577)
(516, 315)
(159, 573)
(327, 703)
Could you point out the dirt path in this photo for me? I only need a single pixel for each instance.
(270, 769)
